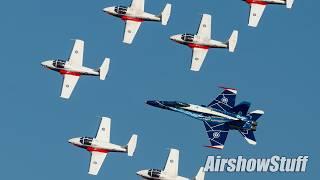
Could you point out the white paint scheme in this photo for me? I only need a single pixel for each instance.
(135, 15)
(206, 110)
(73, 68)
(202, 42)
(101, 146)
(170, 171)
(257, 9)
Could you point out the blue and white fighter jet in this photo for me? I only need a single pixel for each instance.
(220, 116)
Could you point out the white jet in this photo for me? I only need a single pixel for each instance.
(201, 42)
(100, 146)
(135, 15)
(257, 8)
(170, 171)
(72, 69)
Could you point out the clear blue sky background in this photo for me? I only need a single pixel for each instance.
(275, 66)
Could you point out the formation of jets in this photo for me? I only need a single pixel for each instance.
(170, 171)
(220, 116)
(201, 42)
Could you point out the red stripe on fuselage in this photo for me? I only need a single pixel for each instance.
(214, 147)
(128, 18)
(91, 149)
(63, 72)
(191, 45)
(256, 2)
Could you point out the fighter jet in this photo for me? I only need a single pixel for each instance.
(258, 6)
(100, 146)
(72, 69)
(220, 116)
(201, 42)
(135, 15)
(170, 171)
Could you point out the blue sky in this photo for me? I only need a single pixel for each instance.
(275, 67)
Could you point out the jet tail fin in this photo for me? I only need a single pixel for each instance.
(232, 42)
(200, 175)
(255, 115)
(289, 3)
(131, 146)
(165, 14)
(104, 68)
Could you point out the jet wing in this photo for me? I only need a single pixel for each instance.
(131, 30)
(225, 101)
(138, 5)
(172, 165)
(198, 56)
(256, 12)
(205, 27)
(96, 162)
(103, 133)
(217, 133)
(69, 82)
(76, 56)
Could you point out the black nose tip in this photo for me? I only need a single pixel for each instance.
(152, 103)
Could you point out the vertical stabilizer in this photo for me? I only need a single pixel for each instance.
(289, 3)
(200, 175)
(131, 146)
(165, 14)
(103, 71)
(232, 42)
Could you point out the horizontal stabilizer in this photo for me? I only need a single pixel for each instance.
(289, 3)
(255, 115)
(249, 136)
(217, 133)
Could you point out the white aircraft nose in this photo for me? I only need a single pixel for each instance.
(73, 141)
(108, 9)
(174, 37)
(142, 172)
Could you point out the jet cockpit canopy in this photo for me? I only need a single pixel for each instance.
(86, 141)
(187, 37)
(154, 173)
(120, 9)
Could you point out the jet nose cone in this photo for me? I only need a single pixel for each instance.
(108, 10)
(174, 37)
(73, 141)
(141, 173)
(152, 103)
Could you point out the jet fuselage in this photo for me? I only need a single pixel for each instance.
(64, 67)
(195, 41)
(128, 13)
(156, 174)
(92, 144)
(204, 113)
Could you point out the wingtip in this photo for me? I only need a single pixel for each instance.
(215, 147)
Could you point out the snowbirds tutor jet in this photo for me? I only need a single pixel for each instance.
(220, 116)
(170, 171)
(201, 42)
(257, 7)
(100, 146)
(72, 69)
(135, 15)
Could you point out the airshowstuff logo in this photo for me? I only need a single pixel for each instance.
(240, 164)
